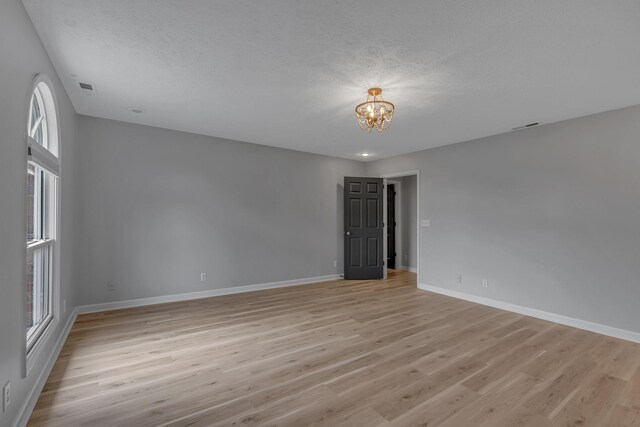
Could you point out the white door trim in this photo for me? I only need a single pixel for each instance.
(401, 174)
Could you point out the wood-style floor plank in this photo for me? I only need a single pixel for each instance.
(342, 353)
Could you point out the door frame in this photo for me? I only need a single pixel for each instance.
(389, 176)
(398, 189)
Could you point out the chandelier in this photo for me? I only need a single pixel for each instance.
(375, 112)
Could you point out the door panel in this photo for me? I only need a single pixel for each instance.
(355, 250)
(373, 251)
(355, 213)
(372, 188)
(373, 207)
(363, 213)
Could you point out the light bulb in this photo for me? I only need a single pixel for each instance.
(369, 108)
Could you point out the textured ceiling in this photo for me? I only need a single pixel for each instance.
(288, 73)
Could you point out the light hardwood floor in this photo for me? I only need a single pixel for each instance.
(359, 353)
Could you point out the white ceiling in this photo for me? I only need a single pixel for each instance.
(288, 73)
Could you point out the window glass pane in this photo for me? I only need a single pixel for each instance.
(44, 288)
(38, 121)
(31, 205)
(29, 291)
(41, 214)
(37, 135)
(37, 288)
(35, 112)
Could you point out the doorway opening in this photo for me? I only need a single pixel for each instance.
(394, 225)
(401, 214)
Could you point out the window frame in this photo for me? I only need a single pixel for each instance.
(43, 242)
(46, 162)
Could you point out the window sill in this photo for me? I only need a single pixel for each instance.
(37, 350)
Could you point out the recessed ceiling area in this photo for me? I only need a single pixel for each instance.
(289, 73)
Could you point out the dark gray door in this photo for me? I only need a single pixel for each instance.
(363, 227)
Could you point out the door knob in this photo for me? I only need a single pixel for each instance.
(348, 233)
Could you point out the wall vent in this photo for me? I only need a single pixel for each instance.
(87, 88)
(530, 125)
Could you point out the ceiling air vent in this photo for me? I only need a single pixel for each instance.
(87, 88)
(530, 125)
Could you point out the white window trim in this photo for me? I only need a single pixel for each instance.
(51, 164)
(42, 158)
(48, 242)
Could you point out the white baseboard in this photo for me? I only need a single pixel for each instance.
(544, 315)
(407, 268)
(32, 398)
(115, 305)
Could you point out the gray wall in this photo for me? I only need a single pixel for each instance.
(22, 57)
(409, 220)
(160, 207)
(550, 216)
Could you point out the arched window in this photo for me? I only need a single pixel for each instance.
(43, 172)
(38, 122)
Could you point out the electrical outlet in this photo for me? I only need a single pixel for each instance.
(111, 286)
(485, 283)
(6, 396)
(335, 264)
(459, 278)
(203, 277)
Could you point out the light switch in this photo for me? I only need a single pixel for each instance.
(426, 223)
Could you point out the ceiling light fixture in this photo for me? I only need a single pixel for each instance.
(365, 154)
(136, 110)
(375, 112)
